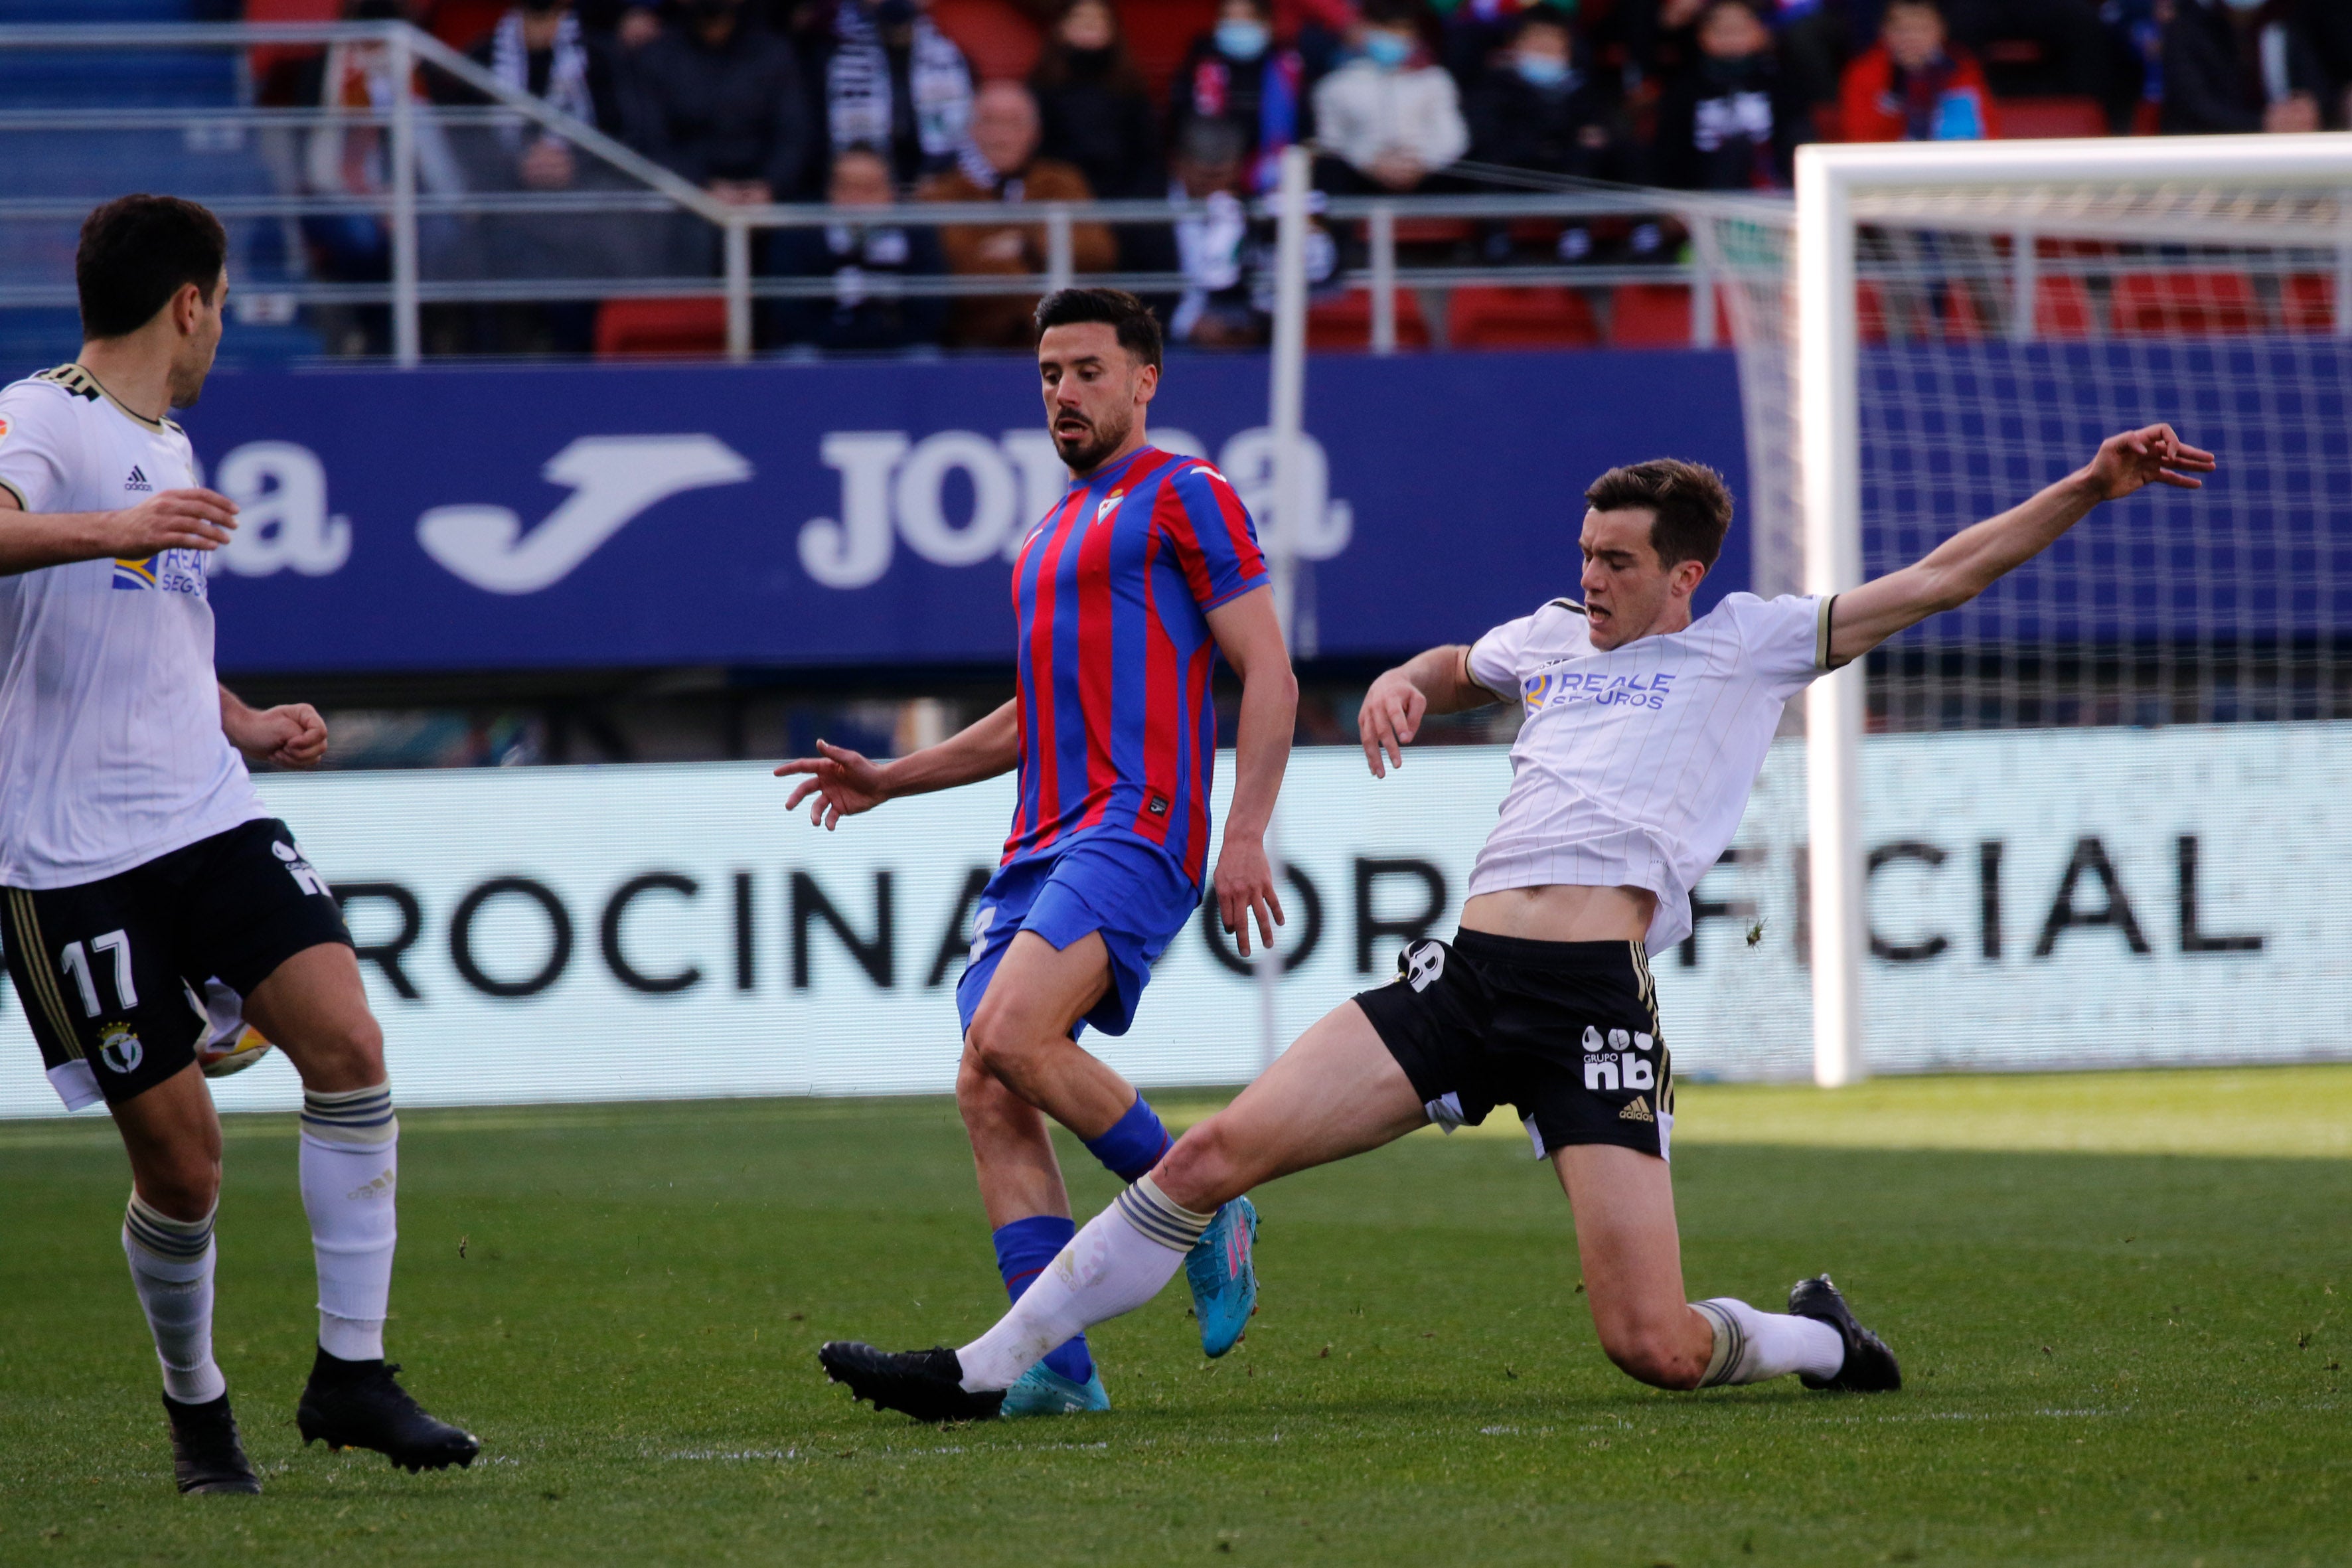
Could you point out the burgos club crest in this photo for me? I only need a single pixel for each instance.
(120, 1049)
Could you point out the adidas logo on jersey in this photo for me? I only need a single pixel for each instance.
(137, 481)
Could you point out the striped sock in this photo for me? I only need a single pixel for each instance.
(1024, 1249)
(1754, 1347)
(1115, 1264)
(350, 1166)
(171, 1269)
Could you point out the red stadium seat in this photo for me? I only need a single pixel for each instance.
(1964, 315)
(2186, 304)
(670, 329)
(1871, 315)
(1432, 230)
(1158, 34)
(2062, 307)
(2308, 304)
(1658, 316)
(1538, 318)
(2032, 119)
(1346, 322)
(997, 36)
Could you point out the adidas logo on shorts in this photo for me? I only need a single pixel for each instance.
(1638, 1110)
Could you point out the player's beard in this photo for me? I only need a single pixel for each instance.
(1086, 452)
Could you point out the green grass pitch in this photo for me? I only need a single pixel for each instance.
(2121, 1303)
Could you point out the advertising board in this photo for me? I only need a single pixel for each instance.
(2039, 900)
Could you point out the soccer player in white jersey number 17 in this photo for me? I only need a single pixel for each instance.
(1642, 730)
(138, 867)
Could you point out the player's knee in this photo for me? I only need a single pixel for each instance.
(981, 1096)
(1651, 1355)
(1201, 1170)
(184, 1185)
(1002, 1044)
(348, 1054)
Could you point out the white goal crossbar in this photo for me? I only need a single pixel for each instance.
(2126, 188)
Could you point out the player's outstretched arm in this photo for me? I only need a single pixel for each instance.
(1437, 681)
(846, 783)
(1249, 634)
(176, 519)
(1975, 558)
(290, 736)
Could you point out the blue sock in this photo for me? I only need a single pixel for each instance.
(1134, 1144)
(1024, 1249)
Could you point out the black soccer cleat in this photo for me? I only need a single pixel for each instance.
(356, 1404)
(1869, 1365)
(206, 1453)
(925, 1385)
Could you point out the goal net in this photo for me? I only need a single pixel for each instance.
(2096, 818)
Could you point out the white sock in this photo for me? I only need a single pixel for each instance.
(351, 1165)
(171, 1269)
(1115, 1264)
(1752, 1346)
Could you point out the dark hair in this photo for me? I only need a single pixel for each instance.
(1138, 328)
(136, 253)
(1690, 506)
(1394, 13)
(1544, 16)
(1055, 66)
(1212, 139)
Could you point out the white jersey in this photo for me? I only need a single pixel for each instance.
(1633, 766)
(110, 744)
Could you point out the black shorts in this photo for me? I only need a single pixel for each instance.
(1565, 1031)
(110, 972)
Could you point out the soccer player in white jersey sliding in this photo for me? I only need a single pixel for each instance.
(1642, 735)
(137, 863)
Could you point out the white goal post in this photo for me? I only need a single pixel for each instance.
(2236, 191)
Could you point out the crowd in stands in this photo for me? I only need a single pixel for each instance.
(872, 105)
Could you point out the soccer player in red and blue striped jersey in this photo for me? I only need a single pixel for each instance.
(1125, 596)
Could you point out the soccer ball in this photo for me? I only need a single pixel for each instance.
(220, 1057)
(230, 1044)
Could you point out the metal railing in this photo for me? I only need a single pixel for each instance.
(640, 194)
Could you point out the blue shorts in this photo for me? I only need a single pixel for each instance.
(1130, 892)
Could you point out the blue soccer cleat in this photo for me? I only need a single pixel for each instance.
(1224, 1275)
(1042, 1391)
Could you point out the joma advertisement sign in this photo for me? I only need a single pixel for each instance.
(2038, 900)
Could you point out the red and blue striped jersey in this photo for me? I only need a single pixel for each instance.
(1111, 593)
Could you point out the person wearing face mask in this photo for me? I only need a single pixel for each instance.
(1095, 111)
(1533, 109)
(891, 79)
(1236, 72)
(718, 101)
(1726, 120)
(2240, 65)
(1389, 119)
(1914, 85)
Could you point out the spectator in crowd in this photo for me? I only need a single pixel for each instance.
(1534, 110)
(1661, 39)
(2231, 65)
(1225, 254)
(2071, 53)
(540, 48)
(862, 260)
(717, 100)
(890, 79)
(1236, 72)
(350, 154)
(1914, 85)
(1095, 111)
(999, 162)
(1216, 249)
(1390, 119)
(1728, 121)
(2329, 24)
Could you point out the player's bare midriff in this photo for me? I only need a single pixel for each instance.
(1561, 913)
